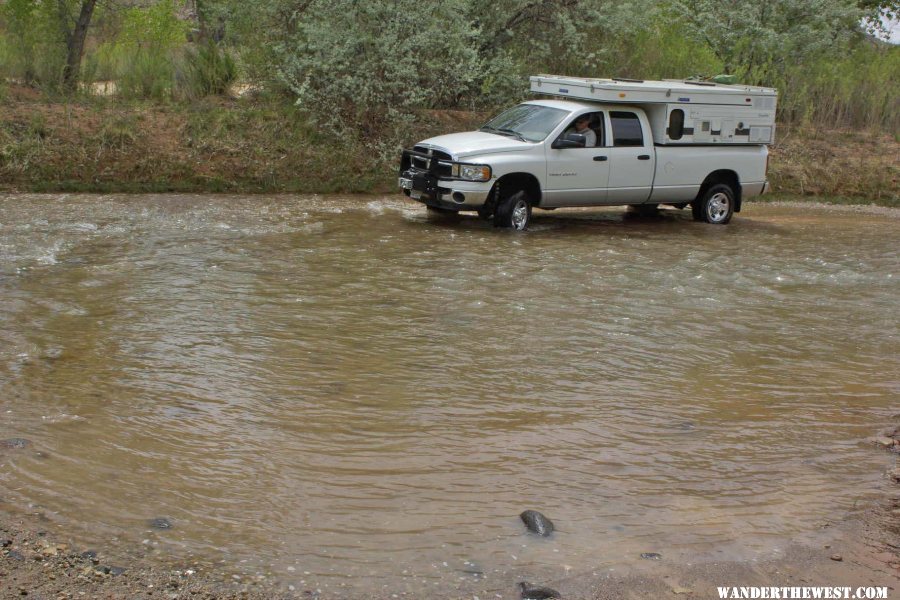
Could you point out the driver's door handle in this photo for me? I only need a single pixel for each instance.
(600, 158)
(644, 157)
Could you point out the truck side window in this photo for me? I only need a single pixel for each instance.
(676, 124)
(626, 128)
(595, 124)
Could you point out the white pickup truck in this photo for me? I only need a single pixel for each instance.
(653, 148)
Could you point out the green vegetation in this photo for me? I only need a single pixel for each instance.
(360, 79)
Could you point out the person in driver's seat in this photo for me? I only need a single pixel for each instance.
(583, 126)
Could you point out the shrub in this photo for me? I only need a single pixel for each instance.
(207, 70)
(371, 63)
(32, 49)
(142, 57)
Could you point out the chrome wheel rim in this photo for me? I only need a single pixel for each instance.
(520, 215)
(717, 207)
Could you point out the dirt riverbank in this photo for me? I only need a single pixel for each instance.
(252, 145)
(38, 560)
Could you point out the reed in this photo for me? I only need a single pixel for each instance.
(861, 90)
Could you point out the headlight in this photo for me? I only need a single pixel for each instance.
(472, 172)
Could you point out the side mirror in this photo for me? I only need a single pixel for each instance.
(569, 140)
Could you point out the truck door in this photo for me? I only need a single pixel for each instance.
(632, 159)
(578, 176)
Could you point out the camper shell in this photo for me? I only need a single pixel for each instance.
(681, 112)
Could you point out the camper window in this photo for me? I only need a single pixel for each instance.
(676, 124)
(626, 129)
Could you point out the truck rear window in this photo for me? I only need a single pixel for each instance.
(626, 128)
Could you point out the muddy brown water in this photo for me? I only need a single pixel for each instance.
(339, 393)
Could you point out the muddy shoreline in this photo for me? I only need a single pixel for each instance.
(39, 560)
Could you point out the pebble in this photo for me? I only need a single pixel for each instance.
(15, 555)
(651, 555)
(160, 523)
(837, 557)
(534, 592)
(537, 522)
(15, 443)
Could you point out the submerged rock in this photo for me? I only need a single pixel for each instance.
(895, 475)
(537, 523)
(160, 523)
(535, 592)
(651, 555)
(15, 443)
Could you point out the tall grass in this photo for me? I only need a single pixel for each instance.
(30, 51)
(207, 70)
(860, 89)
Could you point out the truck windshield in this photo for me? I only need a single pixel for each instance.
(527, 122)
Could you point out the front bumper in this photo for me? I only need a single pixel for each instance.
(430, 190)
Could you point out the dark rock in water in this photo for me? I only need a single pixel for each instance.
(15, 443)
(472, 568)
(15, 555)
(160, 523)
(89, 554)
(651, 555)
(5, 542)
(116, 570)
(537, 523)
(534, 592)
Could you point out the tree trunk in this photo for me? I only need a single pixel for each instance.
(75, 45)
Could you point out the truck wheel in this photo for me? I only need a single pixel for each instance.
(716, 206)
(514, 212)
(697, 210)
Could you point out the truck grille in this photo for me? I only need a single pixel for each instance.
(425, 163)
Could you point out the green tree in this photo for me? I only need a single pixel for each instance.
(74, 29)
(360, 62)
(50, 38)
(758, 39)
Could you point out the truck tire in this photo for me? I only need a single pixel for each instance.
(513, 211)
(716, 205)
